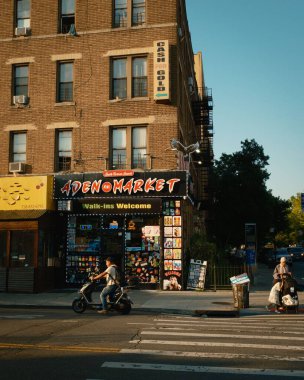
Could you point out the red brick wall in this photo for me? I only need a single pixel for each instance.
(92, 82)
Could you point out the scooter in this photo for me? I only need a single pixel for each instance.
(289, 294)
(119, 302)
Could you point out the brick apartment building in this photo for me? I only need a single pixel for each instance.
(106, 141)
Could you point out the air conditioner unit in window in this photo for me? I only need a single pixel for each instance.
(20, 99)
(16, 167)
(25, 31)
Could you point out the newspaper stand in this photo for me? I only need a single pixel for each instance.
(240, 289)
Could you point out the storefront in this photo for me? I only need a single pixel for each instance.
(136, 217)
(28, 253)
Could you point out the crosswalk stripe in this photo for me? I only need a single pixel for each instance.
(235, 336)
(213, 355)
(218, 344)
(167, 326)
(202, 369)
(277, 321)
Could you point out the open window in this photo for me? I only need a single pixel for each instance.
(67, 16)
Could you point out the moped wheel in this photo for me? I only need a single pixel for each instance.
(79, 305)
(124, 307)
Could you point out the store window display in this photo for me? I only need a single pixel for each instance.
(143, 249)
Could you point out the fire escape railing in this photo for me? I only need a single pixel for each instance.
(203, 116)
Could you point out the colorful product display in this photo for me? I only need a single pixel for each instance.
(172, 245)
(142, 261)
(83, 249)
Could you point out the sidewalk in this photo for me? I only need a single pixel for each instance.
(184, 302)
(208, 303)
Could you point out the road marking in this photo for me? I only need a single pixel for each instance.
(235, 336)
(219, 344)
(277, 320)
(213, 355)
(203, 369)
(57, 348)
(21, 316)
(163, 326)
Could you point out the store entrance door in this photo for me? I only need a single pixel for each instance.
(112, 244)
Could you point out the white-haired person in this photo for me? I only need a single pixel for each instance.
(275, 292)
(280, 269)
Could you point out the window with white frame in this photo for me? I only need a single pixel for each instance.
(23, 13)
(18, 147)
(63, 159)
(129, 77)
(129, 147)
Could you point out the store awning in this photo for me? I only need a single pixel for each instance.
(21, 214)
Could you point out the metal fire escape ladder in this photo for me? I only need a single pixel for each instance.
(203, 116)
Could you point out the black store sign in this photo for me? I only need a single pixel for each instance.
(138, 206)
(141, 184)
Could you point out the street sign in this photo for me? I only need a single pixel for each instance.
(302, 202)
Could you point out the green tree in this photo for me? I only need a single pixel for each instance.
(241, 196)
(201, 248)
(296, 221)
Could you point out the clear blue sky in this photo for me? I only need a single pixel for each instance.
(253, 52)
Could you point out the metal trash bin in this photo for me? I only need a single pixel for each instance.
(240, 295)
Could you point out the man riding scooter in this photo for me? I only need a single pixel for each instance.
(112, 278)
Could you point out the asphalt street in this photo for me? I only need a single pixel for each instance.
(55, 343)
(59, 344)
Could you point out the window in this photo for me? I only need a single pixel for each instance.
(129, 13)
(129, 77)
(3, 248)
(119, 148)
(120, 13)
(119, 85)
(129, 147)
(67, 20)
(139, 77)
(18, 147)
(21, 80)
(22, 248)
(65, 85)
(138, 12)
(23, 13)
(139, 149)
(64, 150)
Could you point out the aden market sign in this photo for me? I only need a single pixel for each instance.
(141, 184)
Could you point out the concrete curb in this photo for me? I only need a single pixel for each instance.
(194, 313)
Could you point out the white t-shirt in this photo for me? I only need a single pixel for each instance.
(111, 276)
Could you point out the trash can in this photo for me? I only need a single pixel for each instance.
(241, 295)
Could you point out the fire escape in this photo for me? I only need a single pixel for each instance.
(203, 116)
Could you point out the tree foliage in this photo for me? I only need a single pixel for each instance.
(241, 196)
(294, 234)
(201, 248)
